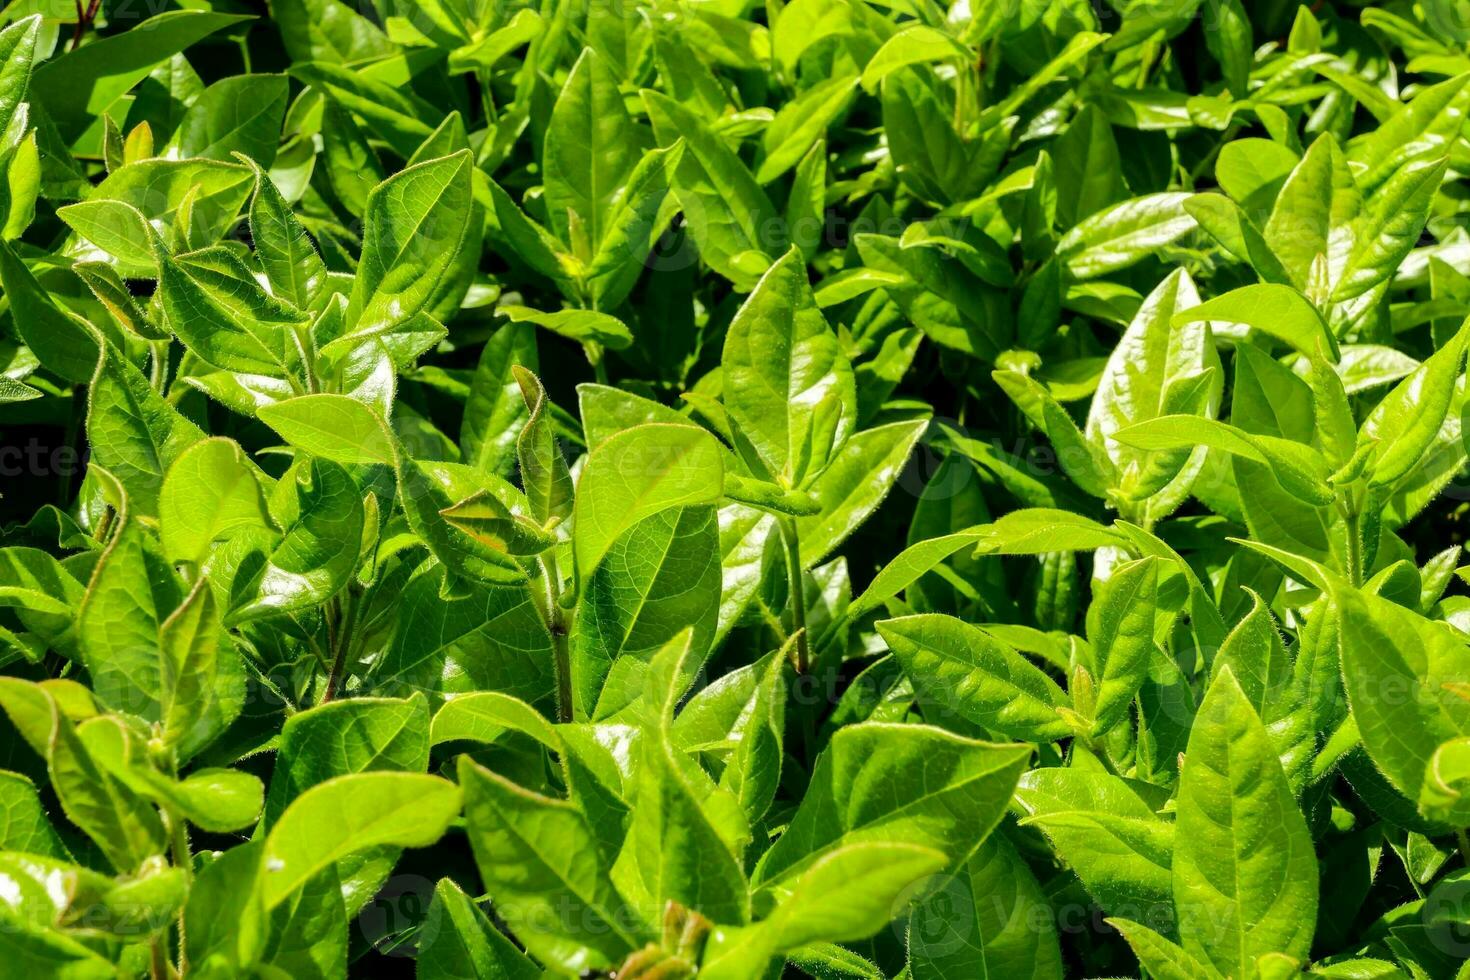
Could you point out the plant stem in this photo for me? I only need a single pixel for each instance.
(183, 860)
(798, 594)
(84, 21)
(1354, 530)
(557, 626)
(595, 357)
(340, 647)
(158, 966)
(158, 366)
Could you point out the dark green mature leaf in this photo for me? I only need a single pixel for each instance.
(60, 340)
(540, 861)
(969, 672)
(989, 920)
(459, 943)
(241, 114)
(83, 83)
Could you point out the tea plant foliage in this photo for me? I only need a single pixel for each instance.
(676, 488)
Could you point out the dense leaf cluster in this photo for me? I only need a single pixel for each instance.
(657, 488)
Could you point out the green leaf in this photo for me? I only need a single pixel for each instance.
(1405, 424)
(484, 716)
(1299, 470)
(122, 824)
(801, 123)
(1162, 958)
(847, 895)
(659, 577)
(342, 738)
(291, 263)
(743, 718)
(18, 55)
(789, 388)
(1245, 875)
(990, 920)
(320, 510)
(13, 391)
(967, 671)
(730, 217)
(204, 195)
(216, 800)
(636, 219)
(544, 475)
(224, 920)
(1106, 829)
(881, 782)
(132, 591)
(909, 566)
(1087, 167)
(201, 680)
(1152, 357)
(332, 427)
(394, 114)
(1254, 653)
(541, 865)
(240, 114)
(494, 407)
(350, 814)
(1122, 626)
(1401, 733)
(210, 492)
(1390, 228)
(213, 304)
(1314, 212)
(913, 45)
(415, 225)
(23, 822)
(1123, 234)
(60, 340)
(677, 848)
(488, 50)
(586, 326)
(591, 150)
(854, 484)
(459, 943)
(1420, 129)
(484, 638)
(1036, 530)
(636, 474)
(134, 432)
(1276, 311)
(82, 83)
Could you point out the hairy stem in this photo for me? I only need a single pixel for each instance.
(340, 646)
(798, 594)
